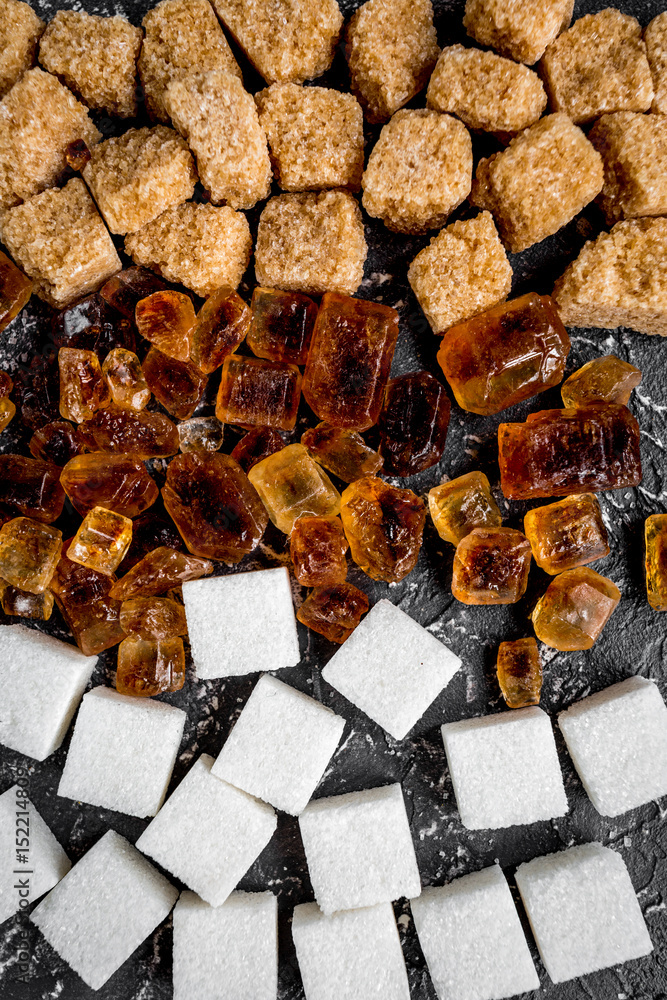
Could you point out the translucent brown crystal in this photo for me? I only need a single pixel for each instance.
(166, 319)
(201, 434)
(77, 155)
(282, 325)
(413, 423)
(29, 553)
(177, 385)
(127, 288)
(15, 290)
(256, 445)
(7, 412)
(153, 617)
(519, 673)
(575, 608)
(83, 597)
(222, 323)
(31, 487)
(317, 548)
(345, 453)
(656, 561)
(91, 324)
(147, 667)
(462, 504)
(56, 442)
(258, 393)
(158, 572)
(491, 566)
(567, 533)
(334, 611)
(101, 541)
(23, 604)
(38, 387)
(127, 384)
(384, 526)
(292, 485)
(83, 388)
(118, 482)
(152, 530)
(603, 380)
(140, 433)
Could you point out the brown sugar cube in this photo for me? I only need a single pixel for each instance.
(136, 176)
(311, 243)
(540, 182)
(180, 35)
(462, 272)
(220, 122)
(60, 241)
(316, 136)
(391, 48)
(39, 118)
(619, 279)
(597, 66)
(655, 38)
(486, 91)
(200, 246)
(20, 29)
(518, 30)
(96, 57)
(633, 148)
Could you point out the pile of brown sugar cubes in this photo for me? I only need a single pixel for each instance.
(577, 113)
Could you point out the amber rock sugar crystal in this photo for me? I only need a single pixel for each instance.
(258, 393)
(333, 612)
(56, 443)
(29, 554)
(384, 526)
(127, 385)
(461, 504)
(567, 533)
(7, 407)
(602, 380)
(101, 541)
(15, 290)
(222, 323)
(575, 608)
(118, 482)
(167, 320)
(343, 452)
(158, 571)
(84, 599)
(282, 325)
(23, 604)
(153, 617)
(136, 432)
(317, 548)
(83, 388)
(177, 385)
(91, 324)
(413, 423)
(291, 485)
(201, 434)
(519, 673)
(147, 667)
(491, 566)
(31, 487)
(656, 561)
(128, 287)
(257, 445)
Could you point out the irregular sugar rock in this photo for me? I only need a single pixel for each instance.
(177, 385)
(384, 526)
(574, 609)
(147, 667)
(655, 536)
(19, 33)
(602, 380)
(91, 324)
(119, 482)
(255, 446)
(461, 504)
(255, 392)
(128, 287)
(158, 571)
(318, 547)
(30, 487)
(102, 541)
(235, 944)
(505, 769)
(518, 31)
(122, 752)
(583, 911)
(221, 325)
(292, 485)
(153, 617)
(491, 566)
(201, 434)
(127, 385)
(104, 908)
(343, 452)
(567, 533)
(15, 290)
(391, 668)
(83, 389)
(519, 672)
(23, 604)
(92, 616)
(633, 148)
(472, 938)
(655, 38)
(208, 833)
(56, 443)
(349, 954)
(282, 324)
(333, 611)
(242, 623)
(132, 433)
(29, 553)
(42, 683)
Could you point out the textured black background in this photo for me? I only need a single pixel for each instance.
(635, 641)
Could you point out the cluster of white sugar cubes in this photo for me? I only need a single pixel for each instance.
(42, 681)
(242, 623)
(391, 668)
(280, 746)
(208, 833)
(472, 939)
(505, 769)
(101, 911)
(618, 742)
(122, 752)
(582, 910)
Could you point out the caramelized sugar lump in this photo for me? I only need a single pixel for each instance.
(317, 548)
(56, 443)
(136, 432)
(413, 423)
(291, 485)
(557, 452)
(201, 434)
(349, 360)
(177, 385)
(147, 667)
(257, 445)
(384, 526)
(214, 506)
(126, 288)
(15, 290)
(20, 29)
(575, 608)
(258, 393)
(38, 390)
(23, 604)
(84, 599)
(518, 31)
(166, 319)
(153, 617)
(566, 534)
(602, 380)
(83, 388)
(519, 673)
(101, 541)
(655, 38)
(125, 378)
(118, 482)
(282, 325)
(77, 155)
(29, 554)
(656, 561)
(505, 355)
(333, 612)
(158, 571)
(31, 487)
(633, 148)
(222, 323)
(91, 324)
(491, 566)
(343, 452)
(462, 504)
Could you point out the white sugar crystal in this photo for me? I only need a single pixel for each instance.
(122, 752)
(505, 769)
(41, 680)
(391, 668)
(104, 908)
(226, 951)
(472, 939)
(618, 742)
(359, 849)
(280, 746)
(583, 911)
(208, 833)
(352, 954)
(25, 835)
(242, 623)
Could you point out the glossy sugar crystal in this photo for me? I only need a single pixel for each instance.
(491, 566)
(343, 452)
(574, 609)
(384, 526)
(127, 385)
(291, 485)
(602, 380)
(519, 673)
(462, 504)
(258, 393)
(317, 548)
(29, 554)
(166, 319)
(147, 667)
(333, 611)
(413, 423)
(567, 533)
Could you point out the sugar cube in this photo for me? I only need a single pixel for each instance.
(242, 623)
(350, 954)
(582, 910)
(655, 38)
(634, 153)
(472, 938)
(122, 752)
(104, 908)
(42, 680)
(391, 668)
(519, 31)
(359, 849)
(208, 833)
(505, 769)
(20, 29)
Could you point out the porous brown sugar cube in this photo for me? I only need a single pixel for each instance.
(102, 541)
(567, 533)
(633, 148)
(29, 553)
(136, 176)
(117, 482)
(540, 182)
(519, 673)
(282, 325)
(463, 271)
(83, 388)
(257, 445)
(461, 504)
(31, 487)
(655, 532)
(384, 526)
(153, 617)
(220, 122)
(23, 604)
(520, 31)
(333, 612)
(131, 432)
(85, 603)
(199, 246)
(127, 385)
(59, 240)
(222, 323)
(317, 548)
(20, 29)
(602, 380)
(391, 48)
(419, 171)
(201, 434)
(167, 319)
(158, 571)
(316, 136)
(341, 451)
(491, 566)
(147, 667)
(655, 38)
(597, 66)
(15, 290)
(574, 609)
(96, 57)
(619, 279)
(311, 243)
(258, 393)
(292, 485)
(177, 385)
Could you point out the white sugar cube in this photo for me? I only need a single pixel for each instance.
(505, 769)
(31, 859)
(280, 746)
(472, 939)
(582, 910)
(104, 908)
(241, 624)
(391, 668)
(42, 680)
(359, 849)
(235, 944)
(618, 742)
(122, 752)
(208, 833)
(352, 954)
